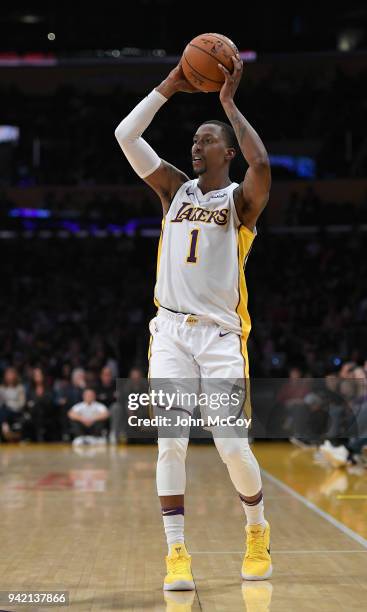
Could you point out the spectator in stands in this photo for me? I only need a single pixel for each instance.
(61, 390)
(291, 397)
(346, 447)
(68, 394)
(12, 402)
(309, 421)
(106, 387)
(44, 421)
(136, 383)
(295, 389)
(78, 385)
(106, 394)
(325, 414)
(356, 444)
(89, 417)
(336, 406)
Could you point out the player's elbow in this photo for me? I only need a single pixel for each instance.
(262, 170)
(117, 132)
(120, 133)
(261, 163)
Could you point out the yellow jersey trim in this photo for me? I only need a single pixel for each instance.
(245, 238)
(159, 259)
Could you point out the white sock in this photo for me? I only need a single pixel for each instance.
(174, 528)
(254, 514)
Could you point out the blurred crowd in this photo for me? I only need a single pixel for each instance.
(87, 302)
(80, 308)
(310, 210)
(328, 413)
(75, 404)
(299, 209)
(327, 106)
(95, 206)
(308, 302)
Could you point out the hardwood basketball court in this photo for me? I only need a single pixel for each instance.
(88, 522)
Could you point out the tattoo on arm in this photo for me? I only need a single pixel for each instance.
(252, 195)
(250, 143)
(238, 124)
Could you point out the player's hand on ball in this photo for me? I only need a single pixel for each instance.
(179, 81)
(231, 81)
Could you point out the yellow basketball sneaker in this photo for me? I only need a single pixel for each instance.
(257, 562)
(179, 576)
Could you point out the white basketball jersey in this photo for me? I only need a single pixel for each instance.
(201, 256)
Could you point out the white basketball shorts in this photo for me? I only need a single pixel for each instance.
(197, 356)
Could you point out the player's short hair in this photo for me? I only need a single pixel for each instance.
(227, 130)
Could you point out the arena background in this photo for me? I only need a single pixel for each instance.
(79, 234)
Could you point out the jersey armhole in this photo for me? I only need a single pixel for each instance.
(237, 221)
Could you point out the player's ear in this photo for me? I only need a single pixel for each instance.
(230, 153)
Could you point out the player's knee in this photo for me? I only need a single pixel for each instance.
(234, 451)
(172, 449)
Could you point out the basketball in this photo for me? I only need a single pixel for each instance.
(201, 57)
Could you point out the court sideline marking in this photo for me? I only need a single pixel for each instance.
(279, 552)
(349, 532)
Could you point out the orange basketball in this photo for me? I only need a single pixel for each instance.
(201, 57)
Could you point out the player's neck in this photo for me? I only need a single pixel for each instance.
(208, 183)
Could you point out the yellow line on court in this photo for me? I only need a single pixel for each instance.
(351, 497)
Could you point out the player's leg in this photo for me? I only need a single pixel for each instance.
(223, 362)
(171, 366)
(171, 485)
(224, 368)
(244, 472)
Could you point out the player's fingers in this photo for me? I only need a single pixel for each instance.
(237, 64)
(223, 69)
(226, 72)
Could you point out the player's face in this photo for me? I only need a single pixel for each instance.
(208, 149)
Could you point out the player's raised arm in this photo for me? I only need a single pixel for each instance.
(252, 195)
(164, 178)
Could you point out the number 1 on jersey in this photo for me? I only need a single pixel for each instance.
(193, 256)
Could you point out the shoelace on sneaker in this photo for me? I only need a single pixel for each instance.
(178, 565)
(256, 548)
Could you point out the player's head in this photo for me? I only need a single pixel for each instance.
(214, 146)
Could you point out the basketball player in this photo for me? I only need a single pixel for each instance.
(202, 322)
